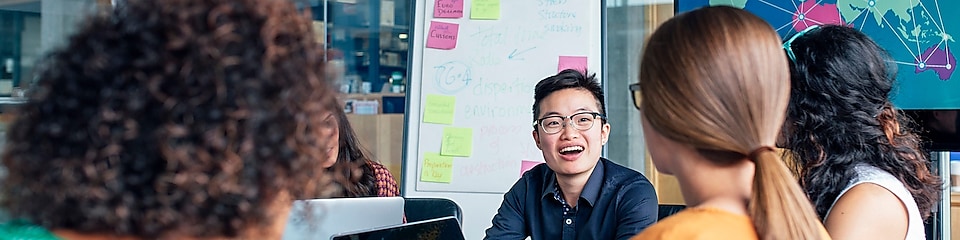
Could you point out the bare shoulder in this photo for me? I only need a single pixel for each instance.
(867, 211)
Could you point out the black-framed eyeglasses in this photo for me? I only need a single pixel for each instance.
(580, 121)
(787, 45)
(635, 93)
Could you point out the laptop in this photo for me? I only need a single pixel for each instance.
(322, 218)
(445, 228)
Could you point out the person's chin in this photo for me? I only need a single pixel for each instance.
(328, 164)
(574, 168)
(663, 170)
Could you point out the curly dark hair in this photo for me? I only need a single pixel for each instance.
(840, 115)
(165, 119)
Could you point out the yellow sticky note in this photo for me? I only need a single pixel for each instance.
(439, 109)
(457, 142)
(436, 168)
(485, 9)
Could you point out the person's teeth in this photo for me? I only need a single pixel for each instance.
(571, 148)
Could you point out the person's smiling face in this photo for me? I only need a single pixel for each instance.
(571, 151)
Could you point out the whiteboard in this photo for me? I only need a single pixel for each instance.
(490, 74)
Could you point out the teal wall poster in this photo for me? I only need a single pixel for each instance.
(920, 39)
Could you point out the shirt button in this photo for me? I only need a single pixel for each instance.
(569, 221)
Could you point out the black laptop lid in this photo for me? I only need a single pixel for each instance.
(445, 228)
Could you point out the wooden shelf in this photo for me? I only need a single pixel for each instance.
(382, 136)
(373, 95)
(955, 199)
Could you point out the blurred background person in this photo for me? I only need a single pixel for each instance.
(354, 174)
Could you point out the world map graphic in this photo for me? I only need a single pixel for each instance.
(919, 38)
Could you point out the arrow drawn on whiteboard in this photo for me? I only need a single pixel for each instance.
(514, 55)
(452, 77)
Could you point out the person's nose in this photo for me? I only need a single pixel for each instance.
(569, 131)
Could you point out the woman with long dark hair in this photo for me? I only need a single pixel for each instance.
(857, 157)
(354, 173)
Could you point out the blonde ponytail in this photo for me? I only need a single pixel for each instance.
(778, 207)
(723, 72)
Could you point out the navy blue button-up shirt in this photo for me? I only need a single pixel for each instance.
(615, 203)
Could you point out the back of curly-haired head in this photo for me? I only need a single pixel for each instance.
(173, 118)
(840, 115)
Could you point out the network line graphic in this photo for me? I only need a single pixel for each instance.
(919, 39)
(917, 26)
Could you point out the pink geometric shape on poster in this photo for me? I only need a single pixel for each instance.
(810, 13)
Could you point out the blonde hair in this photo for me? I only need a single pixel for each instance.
(723, 71)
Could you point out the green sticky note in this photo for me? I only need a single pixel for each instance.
(457, 142)
(436, 168)
(485, 9)
(439, 109)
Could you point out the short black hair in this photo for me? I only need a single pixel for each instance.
(569, 78)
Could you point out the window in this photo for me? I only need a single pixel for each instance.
(628, 24)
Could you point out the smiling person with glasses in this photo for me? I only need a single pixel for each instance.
(577, 194)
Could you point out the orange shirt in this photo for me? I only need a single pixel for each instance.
(705, 223)
(701, 223)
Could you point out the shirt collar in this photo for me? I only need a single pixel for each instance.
(591, 190)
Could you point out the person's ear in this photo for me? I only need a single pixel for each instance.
(536, 138)
(604, 133)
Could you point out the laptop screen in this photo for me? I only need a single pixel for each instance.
(322, 218)
(445, 228)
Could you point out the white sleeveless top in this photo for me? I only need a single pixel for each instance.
(870, 174)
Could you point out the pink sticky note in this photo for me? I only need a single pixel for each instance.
(448, 9)
(442, 35)
(572, 62)
(526, 165)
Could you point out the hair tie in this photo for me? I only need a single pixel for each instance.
(756, 152)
